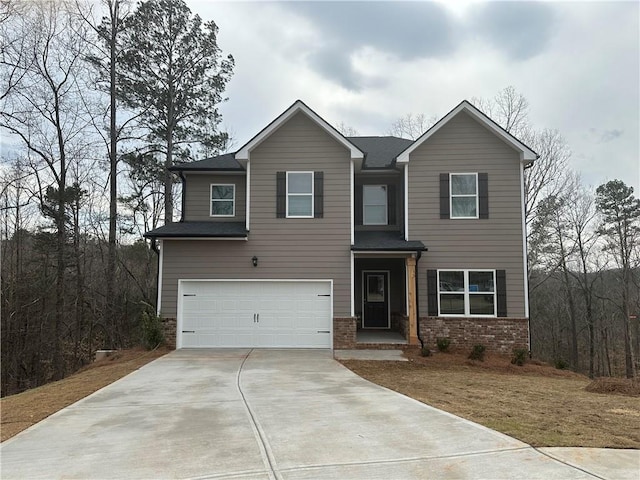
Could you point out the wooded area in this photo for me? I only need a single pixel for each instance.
(97, 99)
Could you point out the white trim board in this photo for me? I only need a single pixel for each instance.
(298, 106)
(527, 156)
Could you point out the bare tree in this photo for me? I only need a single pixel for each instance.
(411, 126)
(44, 112)
(346, 130)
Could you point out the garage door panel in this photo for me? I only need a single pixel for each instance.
(255, 314)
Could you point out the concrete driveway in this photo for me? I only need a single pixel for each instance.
(260, 414)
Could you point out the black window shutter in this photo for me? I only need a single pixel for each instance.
(391, 204)
(444, 195)
(318, 194)
(483, 195)
(501, 291)
(281, 194)
(357, 205)
(432, 293)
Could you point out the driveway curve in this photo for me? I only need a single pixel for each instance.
(264, 414)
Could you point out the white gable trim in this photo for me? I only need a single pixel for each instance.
(527, 155)
(298, 106)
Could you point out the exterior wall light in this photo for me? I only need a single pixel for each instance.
(254, 260)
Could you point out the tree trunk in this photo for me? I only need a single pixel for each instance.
(110, 313)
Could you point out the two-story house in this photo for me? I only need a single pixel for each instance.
(306, 238)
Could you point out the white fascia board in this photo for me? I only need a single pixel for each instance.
(298, 106)
(527, 155)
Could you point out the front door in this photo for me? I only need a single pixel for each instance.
(375, 295)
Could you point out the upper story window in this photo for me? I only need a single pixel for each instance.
(464, 195)
(374, 205)
(223, 200)
(467, 292)
(300, 194)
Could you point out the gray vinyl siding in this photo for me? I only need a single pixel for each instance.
(287, 248)
(198, 196)
(465, 146)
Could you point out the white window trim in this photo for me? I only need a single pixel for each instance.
(312, 195)
(211, 199)
(386, 205)
(451, 195)
(467, 304)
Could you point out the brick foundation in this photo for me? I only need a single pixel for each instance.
(400, 324)
(169, 328)
(344, 332)
(498, 335)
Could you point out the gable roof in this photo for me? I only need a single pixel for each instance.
(226, 162)
(527, 155)
(381, 152)
(298, 106)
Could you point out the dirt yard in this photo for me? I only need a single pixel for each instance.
(19, 412)
(535, 403)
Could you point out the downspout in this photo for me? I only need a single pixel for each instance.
(184, 194)
(154, 247)
(418, 255)
(526, 248)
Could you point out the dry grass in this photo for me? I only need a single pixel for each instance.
(620, 386)
(20, 411)
(535, 403)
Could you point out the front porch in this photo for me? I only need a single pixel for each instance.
(384, 294)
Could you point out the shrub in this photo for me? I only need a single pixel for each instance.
(561, 364)
(152, 335)
(425, 352)
(443, 344)
(519, 356)
(477, 352)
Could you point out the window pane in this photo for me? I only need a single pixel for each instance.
(299, 205)
(451, 304)
(463, 184)
(222, 191)
(374, 195)
(374, 215)
(481, 281)
(222, 207)
(375, 288)
(451, 281)
(300, 182)
(463, 207)
(481, 304)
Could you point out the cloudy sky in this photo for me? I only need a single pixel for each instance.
(368, 63)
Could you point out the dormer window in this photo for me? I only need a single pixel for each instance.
(374, 205)
(223, 199)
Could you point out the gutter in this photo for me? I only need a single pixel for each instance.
(418, 255)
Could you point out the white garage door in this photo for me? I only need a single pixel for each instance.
(254, 314)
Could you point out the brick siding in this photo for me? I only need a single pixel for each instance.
(400, 324)
(169, 328)
(344, 332)
(498, 335)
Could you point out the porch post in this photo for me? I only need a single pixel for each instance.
(411, 292)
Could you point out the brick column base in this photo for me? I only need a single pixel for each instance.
(344, 332)
(169, 328)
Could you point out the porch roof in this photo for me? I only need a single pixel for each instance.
(199, 230)
(385, 241)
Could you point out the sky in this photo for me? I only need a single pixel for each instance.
(366, 64)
